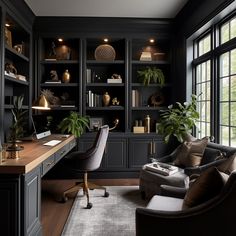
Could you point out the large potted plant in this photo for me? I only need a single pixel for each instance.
(74, 124)
(151, 75)
(178, 120)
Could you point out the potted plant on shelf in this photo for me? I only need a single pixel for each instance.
(151, 75)
(17, 127)
(178, 120)
(74, 124)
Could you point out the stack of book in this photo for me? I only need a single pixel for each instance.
(53, 81)
(162, 168)
(93, 99)
(136, 98)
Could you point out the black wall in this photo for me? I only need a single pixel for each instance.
(192, 17)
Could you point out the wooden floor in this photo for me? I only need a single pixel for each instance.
(54, 213)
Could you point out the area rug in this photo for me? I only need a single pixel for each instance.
(112, 216)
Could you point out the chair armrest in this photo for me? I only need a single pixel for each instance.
(199, 169)
(171, 191)
(167, 158)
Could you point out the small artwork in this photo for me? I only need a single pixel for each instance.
(95, 123)
(8, 38)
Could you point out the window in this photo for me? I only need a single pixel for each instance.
(228, 30)
(203, 88)
(227, 98)
(214, 79)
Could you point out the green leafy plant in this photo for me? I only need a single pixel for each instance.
(178, 120)
(17, 127)
(74, 123)
(151, 75)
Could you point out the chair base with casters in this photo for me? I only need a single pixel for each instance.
(85, 185)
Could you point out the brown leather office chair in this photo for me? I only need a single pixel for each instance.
(86, 162)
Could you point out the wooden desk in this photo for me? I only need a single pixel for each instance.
(20, 185)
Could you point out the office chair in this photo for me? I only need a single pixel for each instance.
(86, 162)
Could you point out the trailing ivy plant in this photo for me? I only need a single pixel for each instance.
(179, 119)
(74, 124)
(151, 75)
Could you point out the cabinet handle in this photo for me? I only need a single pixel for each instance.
(62, 152)
(153, 148)
(150, 148)
(49, 163)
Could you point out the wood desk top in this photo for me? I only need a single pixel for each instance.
(34, 154)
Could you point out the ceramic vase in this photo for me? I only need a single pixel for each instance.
(66, 77)
(106, 99)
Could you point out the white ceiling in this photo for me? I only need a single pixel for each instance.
(107, 8)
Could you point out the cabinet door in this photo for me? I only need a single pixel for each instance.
(159, 148)
(10, 205)
(140, 151)
(115, 154)
(32, 211)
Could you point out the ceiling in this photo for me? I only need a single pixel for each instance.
(107, 8)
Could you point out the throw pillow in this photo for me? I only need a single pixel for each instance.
(206, 186)
(182, 154)
(229, 165)
(191, 153)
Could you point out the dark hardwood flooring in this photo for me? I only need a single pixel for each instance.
(54, 213)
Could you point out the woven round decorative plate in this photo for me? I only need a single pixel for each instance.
(105, 52)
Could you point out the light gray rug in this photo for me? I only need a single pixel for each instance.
(112, 216)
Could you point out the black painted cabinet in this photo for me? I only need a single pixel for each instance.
(114, 157)
(141, 150)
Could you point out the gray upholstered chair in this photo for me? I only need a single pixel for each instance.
(86, 162)
(164, 215)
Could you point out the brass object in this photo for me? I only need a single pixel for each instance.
(116, 122)
(66, 77)
(147, 124)
(14, 151)
(41, 103)
(115, 101)
(106, 99)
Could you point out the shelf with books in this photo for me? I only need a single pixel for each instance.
(105, 73)
(151, 84)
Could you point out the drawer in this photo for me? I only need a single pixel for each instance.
(48, 164)
(61, 152)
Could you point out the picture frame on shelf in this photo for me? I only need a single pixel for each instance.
(95, 123)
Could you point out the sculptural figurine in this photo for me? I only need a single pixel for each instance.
(53, 75)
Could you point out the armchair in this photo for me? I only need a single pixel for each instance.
(165, 215)
(213, 155)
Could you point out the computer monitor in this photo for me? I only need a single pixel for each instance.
(39, 124)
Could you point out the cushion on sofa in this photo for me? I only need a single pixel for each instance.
(191, 153)
(229, 165)
(207, 185)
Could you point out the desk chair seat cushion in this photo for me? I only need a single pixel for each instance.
(206, 186)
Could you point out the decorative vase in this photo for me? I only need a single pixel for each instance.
(66, 77)
(106, 99)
